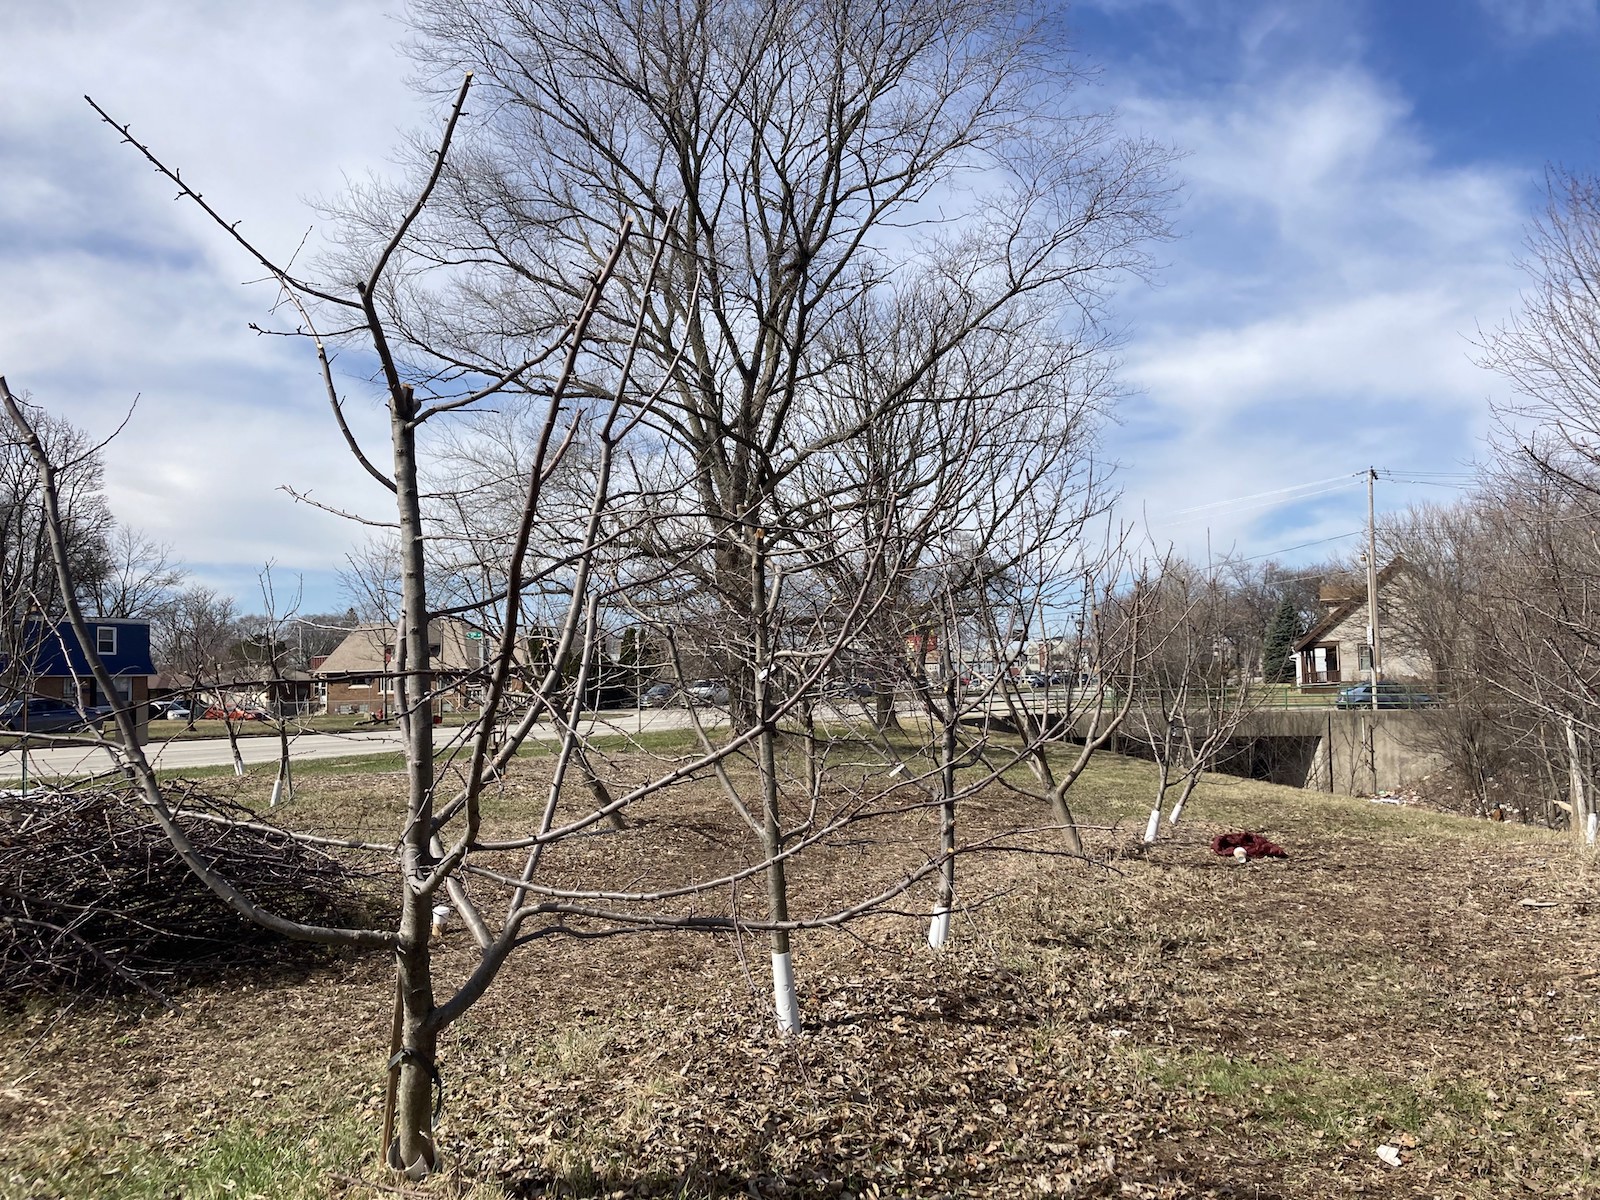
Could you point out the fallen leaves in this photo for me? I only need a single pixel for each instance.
(1144, 1033)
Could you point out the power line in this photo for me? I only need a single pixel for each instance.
(1338, 537)
(1464, 483)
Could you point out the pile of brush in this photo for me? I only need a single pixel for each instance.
(94, 899)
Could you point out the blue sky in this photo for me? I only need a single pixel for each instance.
(1356, 177)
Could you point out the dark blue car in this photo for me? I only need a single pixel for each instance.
(1390, 695)
(45, 715)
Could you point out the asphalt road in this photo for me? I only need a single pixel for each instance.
(67, 761)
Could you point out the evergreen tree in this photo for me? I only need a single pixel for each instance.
(1277, 660)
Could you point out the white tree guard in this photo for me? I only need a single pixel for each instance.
(1152, 826)
(939, 927)
(783, 997)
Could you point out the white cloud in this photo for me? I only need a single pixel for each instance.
(113, 290)
(1313, 320)
(1316, 320)
(1530, 20)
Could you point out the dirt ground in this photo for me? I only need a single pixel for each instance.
(1405, 988)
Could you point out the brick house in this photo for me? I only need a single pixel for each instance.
(357, 676)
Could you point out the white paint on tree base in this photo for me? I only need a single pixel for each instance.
(939, 928)
(238, 764)
(1177, 811)
(277, 792)
(783, 997)
(1152, 826)
(1593, 828)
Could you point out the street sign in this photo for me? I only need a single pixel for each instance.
(474, 635)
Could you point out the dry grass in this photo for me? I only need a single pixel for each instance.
(1153, 1024)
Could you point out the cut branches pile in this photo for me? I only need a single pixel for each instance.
(93, 898)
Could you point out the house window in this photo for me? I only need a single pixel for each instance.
(105, 639)
(360, 681)
(1364, 657)
(433, 649)
(1321, 664)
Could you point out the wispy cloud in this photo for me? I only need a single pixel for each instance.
(1317, 316)
(114, 291)
(1530, 20)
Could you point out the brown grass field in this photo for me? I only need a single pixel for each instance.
(1147, 1024)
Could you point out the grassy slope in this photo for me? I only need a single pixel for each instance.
(1161, 1024)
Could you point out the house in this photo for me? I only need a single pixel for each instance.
(50, 661)
(1335, 652)
(358, 675)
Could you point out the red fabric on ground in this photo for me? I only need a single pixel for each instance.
(1255, 846)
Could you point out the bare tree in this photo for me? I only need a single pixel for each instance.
(192, 638)
(1551, 349)
(844, 174)
(1197, 681)
(676, 235)
(140, 575)
(1546, 496)
(29, 604)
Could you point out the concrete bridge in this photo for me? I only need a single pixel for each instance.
(1351, 752)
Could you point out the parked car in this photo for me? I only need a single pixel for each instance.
(848, 689)
(44, 715)
(1039, 679)
(233, 712)
(1390, 695)
(709, 691)
(169, 710)
(658, 695)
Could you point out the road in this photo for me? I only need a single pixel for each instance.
(69, 761)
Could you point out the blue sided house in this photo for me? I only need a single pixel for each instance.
(55, 665)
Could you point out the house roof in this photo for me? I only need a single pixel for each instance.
(361, 651)
(1340, 614)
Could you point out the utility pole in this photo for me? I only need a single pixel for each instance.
(1373, 642)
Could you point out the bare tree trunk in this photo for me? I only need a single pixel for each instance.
(1152, 827)
(283, 785)
(413, 1148)
(813, 761)
(783, 991)
(939, 927)
(1577, 796)
(591, 778)
(1183, 798)
(1547, 762)
(884, 716)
